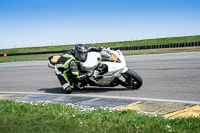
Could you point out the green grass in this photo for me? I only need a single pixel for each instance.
(111, 44)
(25, 117)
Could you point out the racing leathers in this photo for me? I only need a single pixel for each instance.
(67, 69)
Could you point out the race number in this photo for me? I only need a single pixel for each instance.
(113, 58)
(55, 58)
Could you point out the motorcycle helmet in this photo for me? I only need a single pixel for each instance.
(81, 52)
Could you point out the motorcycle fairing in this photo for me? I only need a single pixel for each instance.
(91, 63)
(114, 60)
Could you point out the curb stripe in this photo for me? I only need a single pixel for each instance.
(191, 111)
(132, 106)
(5, 96)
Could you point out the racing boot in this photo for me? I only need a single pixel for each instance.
(67, 88)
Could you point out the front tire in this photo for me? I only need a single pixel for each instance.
(133, 80)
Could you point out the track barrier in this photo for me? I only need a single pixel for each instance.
(173, 45)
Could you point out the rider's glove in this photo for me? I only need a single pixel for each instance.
(95, 73)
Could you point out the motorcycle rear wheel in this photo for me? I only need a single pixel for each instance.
(133, 80)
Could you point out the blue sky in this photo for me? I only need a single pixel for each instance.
(29, 23)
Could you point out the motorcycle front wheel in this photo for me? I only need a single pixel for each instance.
(133, 80)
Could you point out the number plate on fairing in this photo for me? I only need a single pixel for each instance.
(55, 58)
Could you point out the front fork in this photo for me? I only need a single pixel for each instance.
(120, 76)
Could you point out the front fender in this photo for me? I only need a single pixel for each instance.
(124, 69)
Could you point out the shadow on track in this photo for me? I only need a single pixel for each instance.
(59, 90)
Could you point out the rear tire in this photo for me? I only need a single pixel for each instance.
(133, 80)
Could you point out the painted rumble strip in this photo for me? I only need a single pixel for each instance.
(5, 96)
(11, 96)
(168, 108)
(191, 111)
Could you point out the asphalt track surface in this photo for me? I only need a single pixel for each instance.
(165, 77)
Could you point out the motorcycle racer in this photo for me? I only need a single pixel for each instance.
(68, 64)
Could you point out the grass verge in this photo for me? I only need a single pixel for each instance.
(128, 52)
(26, 117)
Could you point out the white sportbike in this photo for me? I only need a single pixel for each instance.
(109, 70)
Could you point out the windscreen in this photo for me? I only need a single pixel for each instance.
(109, 56)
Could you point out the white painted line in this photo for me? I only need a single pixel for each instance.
(103, 96)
